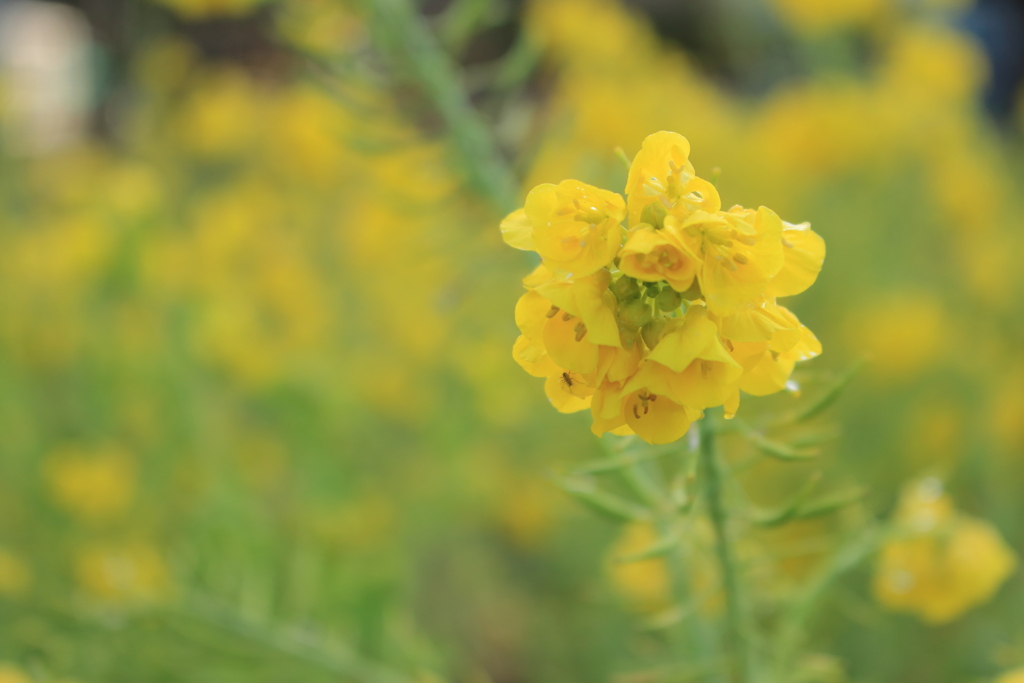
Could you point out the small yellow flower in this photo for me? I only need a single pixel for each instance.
(15, 575)
(661, 175)
(681, 318)
(943, 562)
(653, 255)
(645, 584)
(1015, 676)
(740, 250)
(817, 16)
(12, 674)
(133, 573)
(94, 484)
(575, 227)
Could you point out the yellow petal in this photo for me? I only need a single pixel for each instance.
(576, 227)
(533, 358)
(589, 298)
(704, 384)
(790, 331)
(768, 376)
(654, 255)
(597, 308)
(690, 338)
(568, 393)
(803, 255)
(531, 315)
(606, 409)
(659, 420)
(732, 405)
(539, 276)
(756, 321)
(517, 230)
(561, 344)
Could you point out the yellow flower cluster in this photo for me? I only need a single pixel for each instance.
(650, 309)
(942, 562)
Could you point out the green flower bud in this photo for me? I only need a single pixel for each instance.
(693, 293)
(635, 314)
(625, 288)
(652, 331)
(654, 215)
(653, 289)
(668, 300)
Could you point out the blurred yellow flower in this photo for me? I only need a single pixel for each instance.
(321, 27)
(941, 65)
(219, 116)
(902, 333)
(816, 16)
(1015, 676)
(211, 9)
(94, 484)
(125, 573)
(15, 574)
(644, 584)
(12, 674)
(940, 563)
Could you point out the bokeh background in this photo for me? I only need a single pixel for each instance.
(259, 420)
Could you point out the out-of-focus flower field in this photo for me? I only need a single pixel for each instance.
(259, 419)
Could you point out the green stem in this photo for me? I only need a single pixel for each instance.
(408, 37)
(739, 638)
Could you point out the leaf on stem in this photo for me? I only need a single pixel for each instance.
(829, 396)
(780, 450)
(662, 546)
(608, 504)
(790, 509)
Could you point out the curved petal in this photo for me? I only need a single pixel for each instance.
(517, 230)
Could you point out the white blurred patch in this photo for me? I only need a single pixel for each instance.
(45, 76)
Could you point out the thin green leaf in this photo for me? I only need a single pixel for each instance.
(608, 504)
(662, 546)
(830, 504)
(780, 450)
(791, 509)
(830, 395)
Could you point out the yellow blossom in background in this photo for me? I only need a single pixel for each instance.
(15, 575)
(902, 333)
(321, 27)
(648, 324)
(816, 16)
(219, 117)
(123, 574)
(1015, 676)
(939, 563)
(94, 484)
(644, 584)
(211, 9)
(12, 674)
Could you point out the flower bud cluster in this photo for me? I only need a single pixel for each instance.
(651, 309)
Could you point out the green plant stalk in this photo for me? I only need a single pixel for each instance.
(736, 624)
(408, 38)
(697, 637)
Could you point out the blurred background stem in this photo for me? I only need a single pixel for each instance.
(737, 632)
(405, 36)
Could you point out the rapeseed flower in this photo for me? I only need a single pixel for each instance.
(1015, 676)
(650, 309)
(941, 563)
